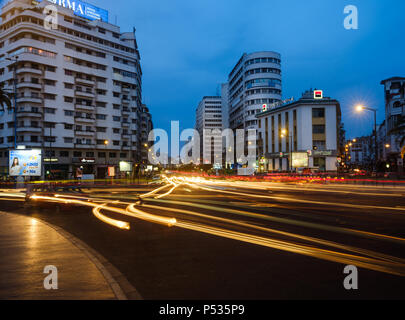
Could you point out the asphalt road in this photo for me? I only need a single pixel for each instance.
(198, 239)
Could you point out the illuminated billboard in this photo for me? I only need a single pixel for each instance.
(25, 163)
(82, 9)
(125, 166)
(300, 160)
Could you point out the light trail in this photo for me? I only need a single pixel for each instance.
(359, 257)
(359, 261)
(289, 234)
(284, 220)
(112, 222)
(132, 211)
(346, 205)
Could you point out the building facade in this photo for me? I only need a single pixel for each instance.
(301, 134)
(79, 89)
(394, 142)
(360, 152)
(255, 80)
(208, 119)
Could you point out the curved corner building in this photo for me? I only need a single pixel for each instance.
(254, 81)
(79, 87)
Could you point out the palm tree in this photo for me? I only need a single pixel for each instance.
(5, 98)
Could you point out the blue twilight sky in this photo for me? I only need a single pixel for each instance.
(189, 47)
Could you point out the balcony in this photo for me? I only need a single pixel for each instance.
(29, 85)
(29, 70)
(29, 129)
(85, 81)
(85, 146)
(84, 133)
(85, 120)
(84, 94)
(29, 99)
(84, 107)
(32, 114)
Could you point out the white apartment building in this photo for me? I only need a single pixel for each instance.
(301, 134)
(254, 81)
(393, 140)
(208, 119)
(79, 88)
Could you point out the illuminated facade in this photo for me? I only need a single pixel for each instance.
(255, 80)
(309, 125)
(79, 88)
(209, 117)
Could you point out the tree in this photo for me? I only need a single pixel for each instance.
(5, 99)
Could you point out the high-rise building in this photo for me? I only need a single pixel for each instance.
(79, 87)
(209, 119)
(255, 80)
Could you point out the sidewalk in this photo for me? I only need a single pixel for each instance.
(27, 245)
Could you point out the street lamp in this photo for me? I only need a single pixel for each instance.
(15, 60)
(106, 144)
(284, 134)
(361, 108)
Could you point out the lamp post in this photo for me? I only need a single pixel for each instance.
(15, 60)
(50, 144)
(361, 108)
(284, 133)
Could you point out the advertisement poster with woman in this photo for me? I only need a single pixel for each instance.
(23, 163)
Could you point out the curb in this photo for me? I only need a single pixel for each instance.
(122, 288)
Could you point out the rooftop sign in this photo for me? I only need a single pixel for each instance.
(82, 9)
(274, 105)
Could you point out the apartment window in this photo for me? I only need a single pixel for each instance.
(49, 82)
(48, 96)
(318, 129)
(115, 130)
(319, 145)
(50, 139)
(116, 143)
(69, 113)
(69, 99)
(68, 140)
(123, 155)
(68, 126)
(49, 110)
(34, 138)
(64, 154)
(318, 113)
(90, 154)
(113, 155)
(77, 154)
(101, 116)
(117, 119)
(101, 155)
(68, 86)
(101, 129)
